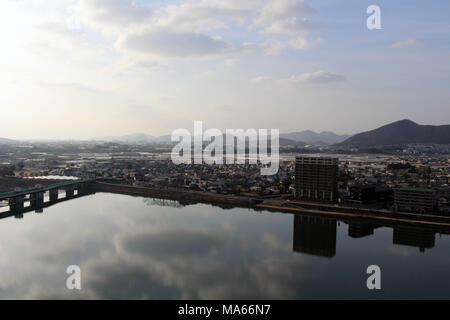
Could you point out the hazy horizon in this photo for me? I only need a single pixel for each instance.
(282, 132)
(83, 69)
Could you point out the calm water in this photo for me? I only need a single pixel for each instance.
(131, 247)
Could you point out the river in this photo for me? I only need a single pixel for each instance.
(137, 248)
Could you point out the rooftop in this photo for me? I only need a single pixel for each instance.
(416, 189)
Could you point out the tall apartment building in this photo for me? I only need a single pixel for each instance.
(419, 200)
(316, 179)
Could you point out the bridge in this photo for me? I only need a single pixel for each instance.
(16, 199)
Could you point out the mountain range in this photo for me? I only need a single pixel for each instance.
(295, 138)
(400, 133)
(397, 133)
(6, 141)
(135, 138)
(324, 138)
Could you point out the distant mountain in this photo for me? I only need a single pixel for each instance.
(6, 141)
(289, 142)
(130, 138)
(299, 139)
(283, 142)
(146, 138)
(163, 139)
(400, 133)
(322, 139)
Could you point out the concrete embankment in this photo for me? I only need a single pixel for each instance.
(344, 213)
(175, 194)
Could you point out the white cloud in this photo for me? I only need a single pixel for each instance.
(315, 77)
(193, 24)
(405, 44)
(234, 4)
(199, 17)
(206, 15)
(232, 61)
(112, 15)
(300, 43)
(285, 16)
(250, 46)
(261, 79)
(161, 42)
(172, 31)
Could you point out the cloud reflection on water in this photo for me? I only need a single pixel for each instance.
(129, 250)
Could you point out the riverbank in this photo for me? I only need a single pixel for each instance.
(176, 194)
(279, 205)
(188, 197)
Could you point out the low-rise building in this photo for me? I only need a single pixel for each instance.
(418, 200)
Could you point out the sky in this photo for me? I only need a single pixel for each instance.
(78, 69)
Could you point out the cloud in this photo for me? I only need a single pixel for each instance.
(206, 15)
(199, 17)
(405, 44)
(300, 43)
(112, 14)
(315, 78)
(232, 61)
(250, 46)
(161, 42)
(171, 31)
(73, 86)
(189, 29)
(260, 79)
(285, 16)
(192, 24)
(304, 78)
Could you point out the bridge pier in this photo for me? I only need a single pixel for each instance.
(83, 188)
(37, 199)
(16, 203)
(53, 195)
(70, 191)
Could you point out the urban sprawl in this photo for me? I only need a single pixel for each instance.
(410, 178)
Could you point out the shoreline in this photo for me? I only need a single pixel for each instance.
(333, 211)
(286, 206)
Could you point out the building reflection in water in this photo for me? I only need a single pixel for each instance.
(414, 237)
(360, 230)
(317, 235)
(314, 235)
(163, 203)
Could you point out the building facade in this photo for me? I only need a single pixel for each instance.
(316, 179)
(417, 200)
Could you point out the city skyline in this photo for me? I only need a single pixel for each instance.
(83, 69)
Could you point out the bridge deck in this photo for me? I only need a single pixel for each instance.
(6, 195)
